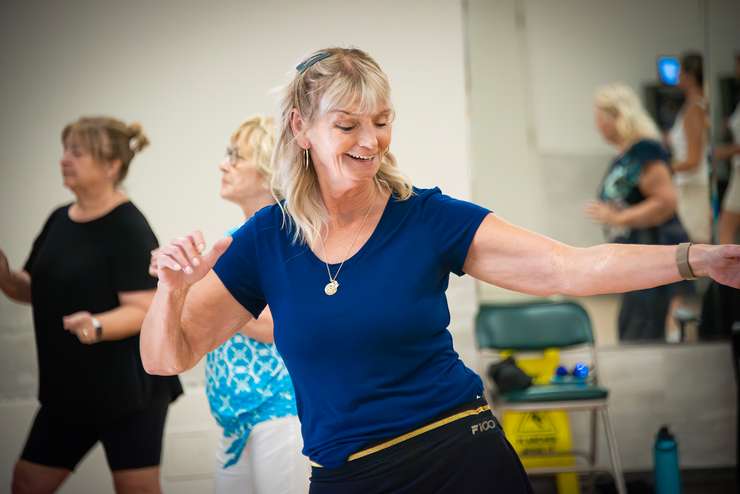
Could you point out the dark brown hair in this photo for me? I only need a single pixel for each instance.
(108, 139)
(693, 63)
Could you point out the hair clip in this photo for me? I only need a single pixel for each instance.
(303, 66)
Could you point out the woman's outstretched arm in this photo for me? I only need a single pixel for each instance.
(517, 259)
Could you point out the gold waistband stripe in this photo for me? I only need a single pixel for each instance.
(416, 432)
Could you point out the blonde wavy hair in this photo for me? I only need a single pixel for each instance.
(632, 121)
(255, 140)
(342, 77)
(107, 139)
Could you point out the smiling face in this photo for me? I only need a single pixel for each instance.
(337, 109)
(347, 145)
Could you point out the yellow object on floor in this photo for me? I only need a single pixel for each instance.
(546, 432)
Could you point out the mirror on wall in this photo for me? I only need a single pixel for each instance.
(595, 121)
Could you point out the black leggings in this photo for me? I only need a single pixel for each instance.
(470, 455)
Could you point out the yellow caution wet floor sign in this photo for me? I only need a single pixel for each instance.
(542, 432)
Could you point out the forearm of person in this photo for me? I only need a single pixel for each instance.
(616, 268)
(260, 330)
(685, 165)
(165, 349)
(726, 151)
(17, 287)
(121, 322)
(648, 213)
(516, 259)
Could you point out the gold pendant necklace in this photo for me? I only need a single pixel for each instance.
(333, 285)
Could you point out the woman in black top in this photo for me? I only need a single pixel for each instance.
(87, 280)
(637, 202)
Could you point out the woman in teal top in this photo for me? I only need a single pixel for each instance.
(637, 204)
(249, 390)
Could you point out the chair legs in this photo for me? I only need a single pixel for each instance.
(611, 440)
(594, 416)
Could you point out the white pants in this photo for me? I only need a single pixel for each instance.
(271, 462)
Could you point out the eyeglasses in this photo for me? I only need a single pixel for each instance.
(233, 155)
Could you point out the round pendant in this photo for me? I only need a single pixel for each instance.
(331, 287)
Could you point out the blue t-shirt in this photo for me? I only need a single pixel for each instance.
(376, 359)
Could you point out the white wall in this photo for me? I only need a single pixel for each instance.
(190, 71)
(576, 46)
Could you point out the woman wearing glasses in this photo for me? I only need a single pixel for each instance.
(249, 390)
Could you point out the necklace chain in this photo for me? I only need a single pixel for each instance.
(333, 285)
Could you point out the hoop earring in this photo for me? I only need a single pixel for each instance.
(306, 154)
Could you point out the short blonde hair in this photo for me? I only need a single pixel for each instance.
(632, 121)
(108, 139)
(341, 77)
(255, 140)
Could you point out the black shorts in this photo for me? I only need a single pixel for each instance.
(131, 441)
(469, 455)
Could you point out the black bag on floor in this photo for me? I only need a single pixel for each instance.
(508, 377)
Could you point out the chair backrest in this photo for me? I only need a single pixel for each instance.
(532, 326)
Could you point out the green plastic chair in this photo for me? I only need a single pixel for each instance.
(535, 327)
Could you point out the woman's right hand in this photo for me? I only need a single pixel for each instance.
(181, 263)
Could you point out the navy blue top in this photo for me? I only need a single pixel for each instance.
(376, 359)
(622, 181)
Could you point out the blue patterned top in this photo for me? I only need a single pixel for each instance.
(246, 383)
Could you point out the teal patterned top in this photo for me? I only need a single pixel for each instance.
(621, 189)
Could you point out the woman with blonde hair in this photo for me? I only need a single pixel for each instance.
(87, 282)
(354, 265)
(249, 390)
(637, 201)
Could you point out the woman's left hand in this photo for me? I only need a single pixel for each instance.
(81, 325)
(601, 212)
(723, 264)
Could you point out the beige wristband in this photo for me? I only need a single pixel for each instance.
(682, 261)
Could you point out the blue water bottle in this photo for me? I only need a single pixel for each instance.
(667, 473)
